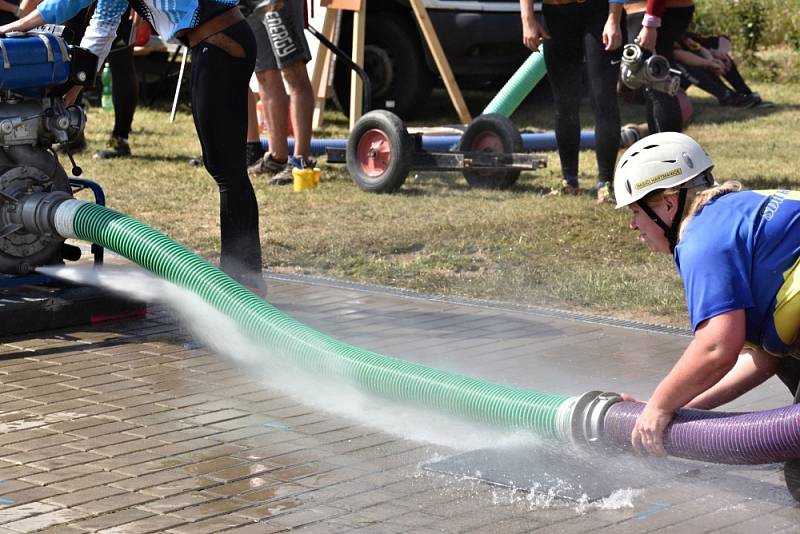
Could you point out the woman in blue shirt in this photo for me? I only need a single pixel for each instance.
(223, 57)
(737, 253)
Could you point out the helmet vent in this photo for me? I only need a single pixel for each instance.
(650, 146)
(668, 161)
(623, 163)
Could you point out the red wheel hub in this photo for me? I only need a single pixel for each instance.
(487, 142)
(374, 152)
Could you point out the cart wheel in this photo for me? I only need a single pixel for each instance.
(791, 472)
(379, 152)
(493, 133)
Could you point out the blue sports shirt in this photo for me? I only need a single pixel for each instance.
(168, 17)
(741, 251)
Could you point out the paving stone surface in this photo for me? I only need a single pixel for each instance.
(135, 427)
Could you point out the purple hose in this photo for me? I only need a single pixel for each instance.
(720, 437)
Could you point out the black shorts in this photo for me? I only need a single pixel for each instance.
(280, 36)
(789, 373)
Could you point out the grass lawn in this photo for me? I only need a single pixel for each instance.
(439, 236)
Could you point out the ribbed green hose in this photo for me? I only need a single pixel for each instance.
(392, 378)
(519, 86)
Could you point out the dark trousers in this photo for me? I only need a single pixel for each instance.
(219, 107)
(576, 33)
(124, 86)
(663, 111)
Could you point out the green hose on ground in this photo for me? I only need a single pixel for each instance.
(519, 86)
(392, 378)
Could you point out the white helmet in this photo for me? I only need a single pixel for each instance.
(660, 161)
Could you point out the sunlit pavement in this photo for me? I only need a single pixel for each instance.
(130, 427)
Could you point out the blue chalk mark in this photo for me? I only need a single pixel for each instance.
(276, 426)
(654, 509)
(6, 501)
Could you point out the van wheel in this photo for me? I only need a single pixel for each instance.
(395, 62)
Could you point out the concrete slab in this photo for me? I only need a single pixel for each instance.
(131, 427)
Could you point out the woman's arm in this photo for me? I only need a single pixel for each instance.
(708, 358)
(752, 368)
(532, 32)
(612, 34)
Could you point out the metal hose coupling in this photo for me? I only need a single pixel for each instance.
(641, 68)
(580, 420)
(32, 211)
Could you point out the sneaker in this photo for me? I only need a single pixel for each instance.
(253, 153)
(284, 176)
(745, 101)
(566, 189)
(603, 190)
(118, 147)
(761, 103)
(267, 165)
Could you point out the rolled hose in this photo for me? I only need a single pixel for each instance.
(735, 438)
(519, 85)
(721, 437)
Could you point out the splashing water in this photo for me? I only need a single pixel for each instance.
(221, 335)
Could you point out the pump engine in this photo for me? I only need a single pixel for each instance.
(38, 67)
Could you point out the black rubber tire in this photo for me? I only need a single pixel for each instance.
(45, 251)
(400, 146)
(791, 472)
(395, 62)
(508, 139)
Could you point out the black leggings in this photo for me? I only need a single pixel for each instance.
(576, 33)
(219, 107)
(663, 111)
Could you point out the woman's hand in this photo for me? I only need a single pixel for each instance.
(647, 38)
(648, 432)
(612, 34)
(532, 33)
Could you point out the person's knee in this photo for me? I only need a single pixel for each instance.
(296, 77)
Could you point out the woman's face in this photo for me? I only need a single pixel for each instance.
(649, 232)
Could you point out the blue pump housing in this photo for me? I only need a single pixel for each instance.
(33, 61)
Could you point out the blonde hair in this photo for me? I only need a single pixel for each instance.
(696, 198)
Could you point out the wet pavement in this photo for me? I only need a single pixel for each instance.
(130, 427)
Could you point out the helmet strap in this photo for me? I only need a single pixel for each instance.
(670, 231)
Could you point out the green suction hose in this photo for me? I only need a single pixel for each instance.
(519, 86)
(400, 380)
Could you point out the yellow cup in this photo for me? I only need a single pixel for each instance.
(305, 179)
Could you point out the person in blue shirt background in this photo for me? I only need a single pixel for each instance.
(223, 57)
(737, 253)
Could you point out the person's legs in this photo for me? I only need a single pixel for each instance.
(563, 55)
(221, 69)
(603, 69)
(254, 151)
(275, 103)
(301, 108)
(125, 95)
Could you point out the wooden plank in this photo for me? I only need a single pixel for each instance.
(356, 87)
(442, 64)
(322, 69)
(349, 5)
